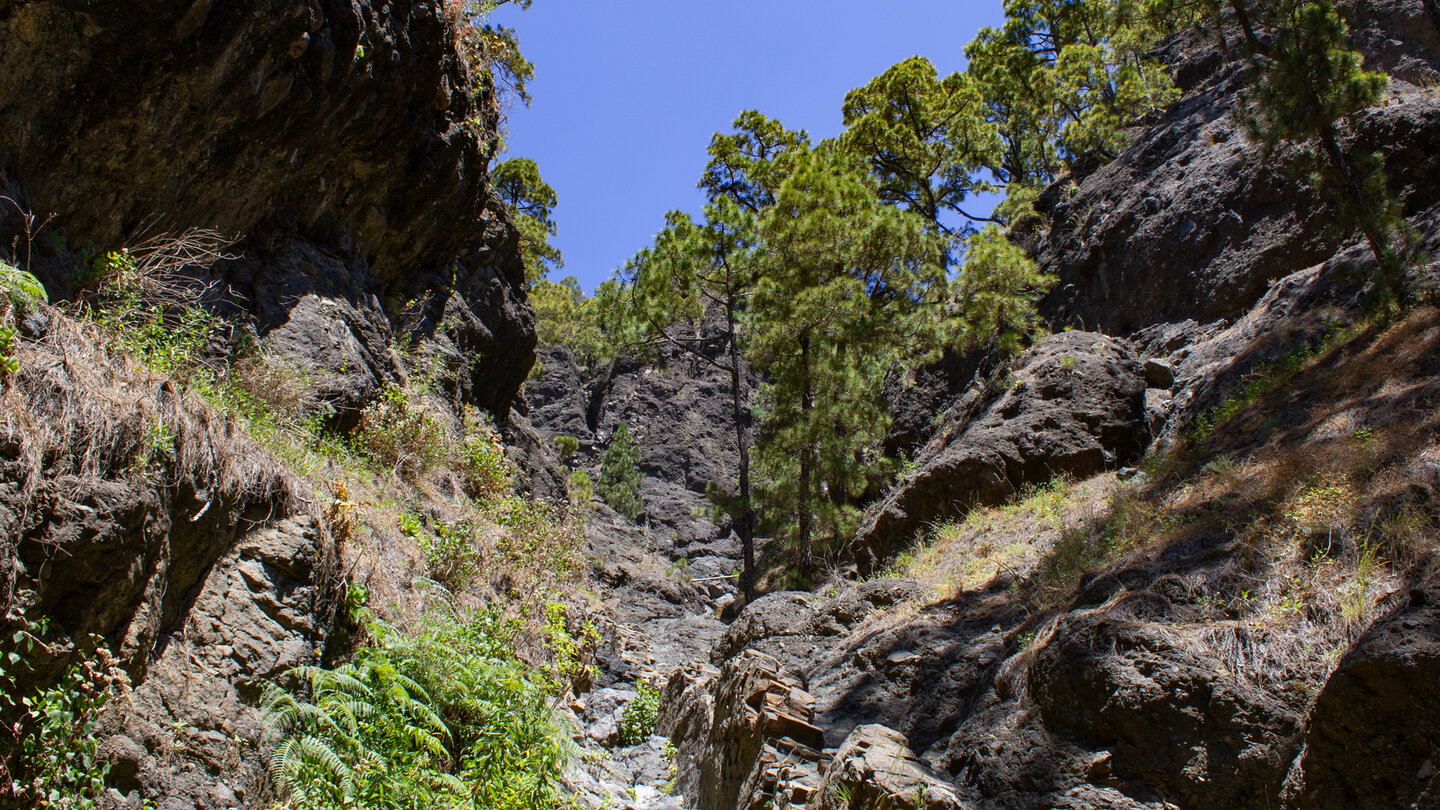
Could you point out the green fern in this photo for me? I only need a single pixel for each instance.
(446, 718)
(20, 286)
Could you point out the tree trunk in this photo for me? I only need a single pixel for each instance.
(1242, 16)
(1350, 187)
(746, 522)
(802, 493)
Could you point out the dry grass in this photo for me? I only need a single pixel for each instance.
(993, 541)
(74, 408)
(75, 413)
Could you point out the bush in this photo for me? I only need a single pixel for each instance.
(452, 554)
(566, 447)
(641, 714)
(54, 761)
(581, 490)
(396, 433)
(619, 484)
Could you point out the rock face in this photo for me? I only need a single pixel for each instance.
(345, 122)
(132, 515)
(749, 743)
(342, 146)
(876, 770)
(1075, 404)
(337, 142)
(1189, 222)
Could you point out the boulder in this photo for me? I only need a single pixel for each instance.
(1173, 720)
(1374, 731)
(1074, 405)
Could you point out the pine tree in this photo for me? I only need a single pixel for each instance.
(750, 164)
(619, 484)
(1067, 78)
(1309, 83)
(996, 294)
(530, 201)
(926, 138)
(697, 269)
(848, 286)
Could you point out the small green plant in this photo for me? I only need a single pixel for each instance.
(582, 491)
(566, 447)
(20, 286)
(672, 767)
(55, 761)
(9, 363)
(487, 471)
(641, 714)
(157, 446)
(452, 554)
(619, 484)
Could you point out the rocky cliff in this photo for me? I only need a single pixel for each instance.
(341, 149)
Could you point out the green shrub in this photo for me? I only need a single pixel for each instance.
(397, 434)
(445, 716)
(452, 555)
(581, 490)
(619, 484)
(487, 471)
(54, 762)
(20, 286)
(638, 720)
(566, 447)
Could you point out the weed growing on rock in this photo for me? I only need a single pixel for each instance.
(52, 758)
(398, 434)
(19, 286)
(488, 473)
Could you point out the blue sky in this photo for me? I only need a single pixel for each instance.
(628, 92)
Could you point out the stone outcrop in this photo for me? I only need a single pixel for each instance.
(339, 143)
(876, 770)
(1191, 223)
(135, 518)
(745, 732)
(344, 146)
(1075, 404)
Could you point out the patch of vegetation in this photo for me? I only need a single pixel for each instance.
(441, 715)
(581, 489)
(51, 756)
(20, 286)
(638, 720)
(399, 434)
(566, 447)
